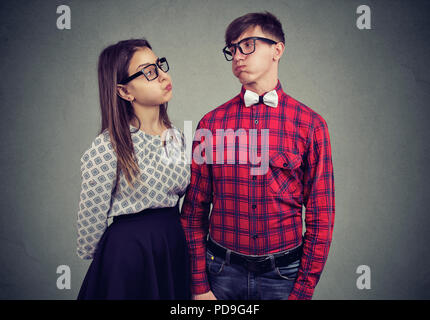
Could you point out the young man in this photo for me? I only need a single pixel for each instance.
(251, 246)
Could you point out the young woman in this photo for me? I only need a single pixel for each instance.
(135, 171)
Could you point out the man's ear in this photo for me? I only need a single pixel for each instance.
(279, 50)
(123, 93)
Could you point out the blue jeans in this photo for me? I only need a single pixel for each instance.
(234, 282)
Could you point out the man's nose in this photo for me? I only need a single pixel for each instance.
(238, 55)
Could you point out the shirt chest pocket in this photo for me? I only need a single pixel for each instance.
(283, 174)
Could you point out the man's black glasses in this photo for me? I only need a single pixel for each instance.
(150, 71)
(246, 46)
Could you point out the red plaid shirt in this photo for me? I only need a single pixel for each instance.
(262, 214)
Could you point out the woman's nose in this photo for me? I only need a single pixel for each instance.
(162, 75)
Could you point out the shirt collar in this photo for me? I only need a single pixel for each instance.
(278, 89)
(172, 133)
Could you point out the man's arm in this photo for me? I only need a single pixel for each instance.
(195, 213)
(320, 208)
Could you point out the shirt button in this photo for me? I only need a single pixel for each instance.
(254, 206)
(256, 121)
(285, 165)
(254, 236)
(254, 177)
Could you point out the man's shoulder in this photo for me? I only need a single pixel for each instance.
(219, 112)
(304, 112)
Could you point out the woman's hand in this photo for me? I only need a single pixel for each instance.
(205, 296)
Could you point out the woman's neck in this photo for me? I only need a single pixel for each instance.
(149, 118)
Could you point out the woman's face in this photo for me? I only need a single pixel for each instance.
(148, 93)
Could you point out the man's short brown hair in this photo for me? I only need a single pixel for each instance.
(268, 22)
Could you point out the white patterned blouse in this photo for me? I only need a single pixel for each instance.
(164, 177)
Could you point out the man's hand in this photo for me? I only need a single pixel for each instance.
(205, 296)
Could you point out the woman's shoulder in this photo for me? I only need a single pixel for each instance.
(101, 147)
(103, 139)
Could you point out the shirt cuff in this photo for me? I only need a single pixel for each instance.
(200, 283)
(301, 293)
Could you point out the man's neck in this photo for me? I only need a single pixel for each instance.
(261, 87)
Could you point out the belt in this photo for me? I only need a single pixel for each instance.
(260, 264)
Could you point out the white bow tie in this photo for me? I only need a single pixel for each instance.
(269, 99)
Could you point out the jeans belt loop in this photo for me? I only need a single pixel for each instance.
(272, 261)
(227, 256)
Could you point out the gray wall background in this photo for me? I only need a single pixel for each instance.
(371, 86)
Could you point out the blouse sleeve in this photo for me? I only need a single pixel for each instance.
(183, 147)
(98, 174)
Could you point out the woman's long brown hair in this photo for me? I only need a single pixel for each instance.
(117, 113)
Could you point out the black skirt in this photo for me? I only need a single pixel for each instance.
(140, 256)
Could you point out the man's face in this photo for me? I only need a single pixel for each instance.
(255, 67)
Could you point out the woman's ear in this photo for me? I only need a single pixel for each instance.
(123, 93)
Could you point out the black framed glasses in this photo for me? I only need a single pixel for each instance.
(150, 71)
(246, 46)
